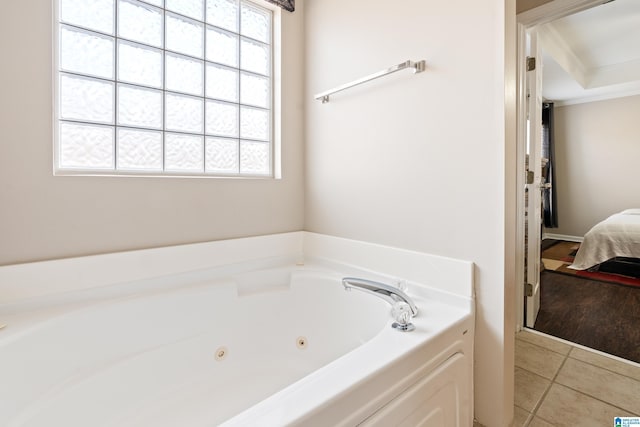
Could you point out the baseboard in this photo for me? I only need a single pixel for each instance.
(566, 237)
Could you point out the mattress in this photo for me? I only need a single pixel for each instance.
(616, 236)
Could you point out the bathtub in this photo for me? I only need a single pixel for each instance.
(268, 341)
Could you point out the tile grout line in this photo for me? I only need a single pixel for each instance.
(615, 405)
(604, 368)
(529, 416)
(553, 381)
(529, 419)
(534, 413)
(576, 346)
(594, 398)
(566, 356)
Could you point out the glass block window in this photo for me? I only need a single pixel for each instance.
(175, 87)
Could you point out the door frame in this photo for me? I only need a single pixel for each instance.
(534, 169)
(525, 21)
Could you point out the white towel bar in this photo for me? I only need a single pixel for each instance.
(418, 67)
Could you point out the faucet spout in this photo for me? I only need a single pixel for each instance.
(388, 293)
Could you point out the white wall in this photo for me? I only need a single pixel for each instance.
(414, 161)
(597, 151)
(42, 216)
(418, 161)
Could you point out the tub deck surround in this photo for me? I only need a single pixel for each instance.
(256, 330)
(447, 275)
(21, 281)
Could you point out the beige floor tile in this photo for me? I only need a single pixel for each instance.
(520, 417)
(538, 422)
(529, 389)
(538, 360)
(616, 389)
(624, 368)
(544, 341)
(565, 407)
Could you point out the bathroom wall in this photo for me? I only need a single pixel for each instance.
(597, 151)
(419, 161)
(43, 217)
(414, 161)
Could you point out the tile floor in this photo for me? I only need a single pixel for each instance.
(559, 384)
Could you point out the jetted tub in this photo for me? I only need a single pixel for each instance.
(274, 343)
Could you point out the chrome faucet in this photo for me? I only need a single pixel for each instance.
(403, 308)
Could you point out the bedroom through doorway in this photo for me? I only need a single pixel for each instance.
(598, 310)
(588, 307)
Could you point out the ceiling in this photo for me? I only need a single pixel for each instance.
(593, 54)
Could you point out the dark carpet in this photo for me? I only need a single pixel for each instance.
(599, 315)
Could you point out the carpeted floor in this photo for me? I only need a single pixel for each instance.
(599, 315)
(559, 255)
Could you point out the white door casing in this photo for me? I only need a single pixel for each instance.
(534, 188)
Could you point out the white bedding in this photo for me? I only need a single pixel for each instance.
(616, 236)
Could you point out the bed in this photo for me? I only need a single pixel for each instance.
(612, 245)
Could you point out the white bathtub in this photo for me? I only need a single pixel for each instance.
(273, 343)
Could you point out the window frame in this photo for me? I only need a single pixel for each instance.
(273, 104)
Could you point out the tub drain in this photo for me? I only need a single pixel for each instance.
(301, 342)
(221, 353)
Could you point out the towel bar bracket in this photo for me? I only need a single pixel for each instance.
(419, 66)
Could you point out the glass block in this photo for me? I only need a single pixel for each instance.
(184, 36)
(86, 53)
(222, 119)
(140, 23)
(254, 123)
(254, 57)
(221, 155)
(255, 23)
(254, 158)
(139, 107)
(86, 99)
(222, 83)
(183, 153)
(223, 14)
(254, 90)
(184, 113)
(139, 150)
(139, 64)
(191, 8)
(222, 47)
(86, 146)
(95, 15)
(184, 74)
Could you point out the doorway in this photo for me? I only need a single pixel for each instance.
(528, 23)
